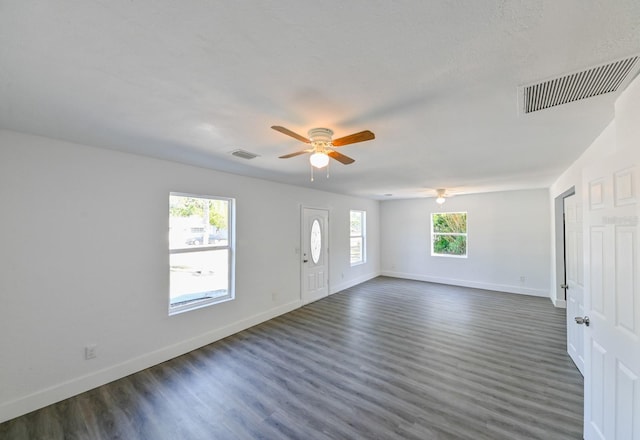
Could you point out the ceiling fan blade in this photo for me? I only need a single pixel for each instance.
(291, 133)
(297, 153)
(353, 138)
(340, 157)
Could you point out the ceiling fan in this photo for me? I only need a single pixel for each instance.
(322, 146)
(442, 194)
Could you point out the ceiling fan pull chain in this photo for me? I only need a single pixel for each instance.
(311, 166)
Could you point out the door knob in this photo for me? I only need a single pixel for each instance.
(581, 320)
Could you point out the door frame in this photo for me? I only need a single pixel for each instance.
(301, 248)
(561, 269)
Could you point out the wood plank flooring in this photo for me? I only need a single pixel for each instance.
(387, 359)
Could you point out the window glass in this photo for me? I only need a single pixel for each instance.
(449, 234)
(357, 237)
(200, 251)
(315, 241)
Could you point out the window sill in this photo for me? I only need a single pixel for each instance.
(449, 256)
(177, 310)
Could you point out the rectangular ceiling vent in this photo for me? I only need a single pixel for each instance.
(576, 86)
(244, 154)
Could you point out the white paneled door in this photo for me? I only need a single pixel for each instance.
(315, 255)
(611, 207)
(574, 263)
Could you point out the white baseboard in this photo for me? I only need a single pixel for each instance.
(559, 303)
(353, 282)
(467, 283)
(56, 393)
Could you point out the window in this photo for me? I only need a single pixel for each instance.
(201, 251)
(358, 242)
(449, 234)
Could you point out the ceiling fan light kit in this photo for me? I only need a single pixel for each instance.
(319, 160)
(320, 141)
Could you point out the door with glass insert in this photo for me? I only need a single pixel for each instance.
(315, 258)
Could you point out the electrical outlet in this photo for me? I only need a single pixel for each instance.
(90, 352)
(523, 279)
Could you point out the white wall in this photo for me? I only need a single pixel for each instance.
(622, 133)
(508, 238)
(83, 237)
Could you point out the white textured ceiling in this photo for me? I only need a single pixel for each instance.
(436, 81)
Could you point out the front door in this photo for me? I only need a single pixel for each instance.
(612, 298)
(575, 278)
(315, 255)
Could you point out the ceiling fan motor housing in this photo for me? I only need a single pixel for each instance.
(320, 136)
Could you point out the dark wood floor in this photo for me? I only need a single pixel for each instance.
(388, 359)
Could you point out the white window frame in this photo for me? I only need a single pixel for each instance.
(463, 234)
(230, 247)
(362, 236)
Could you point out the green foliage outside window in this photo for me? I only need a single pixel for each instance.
(192, 206)
(449, 233)
(450, 245)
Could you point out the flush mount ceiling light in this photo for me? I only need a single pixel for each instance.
(440, 196)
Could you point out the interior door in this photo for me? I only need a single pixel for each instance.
(574, 262)
(315, 254)
(612, 299)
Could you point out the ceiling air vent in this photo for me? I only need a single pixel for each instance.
(244, 154)
(580, 85)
